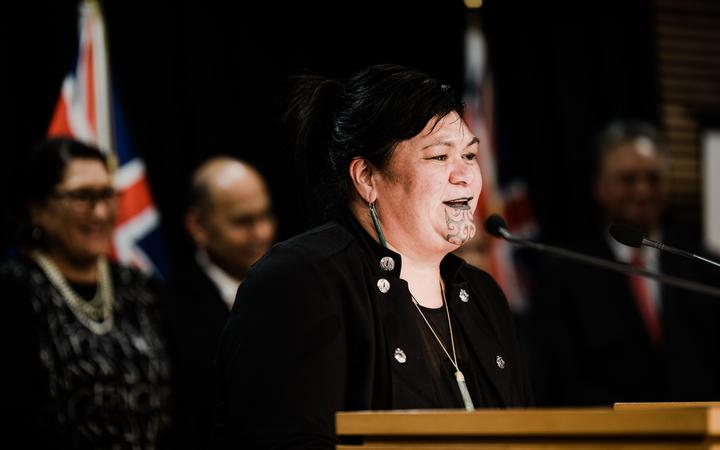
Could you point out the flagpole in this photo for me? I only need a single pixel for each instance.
(101, 75)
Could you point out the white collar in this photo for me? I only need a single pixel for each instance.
(226, 284)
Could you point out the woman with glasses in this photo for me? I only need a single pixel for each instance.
(85, 363)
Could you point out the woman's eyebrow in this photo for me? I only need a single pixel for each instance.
(474, 141)
(436, 143)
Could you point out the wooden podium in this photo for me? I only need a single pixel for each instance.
(681, 426)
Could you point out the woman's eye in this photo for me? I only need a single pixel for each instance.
(439, 157)
(470, 156)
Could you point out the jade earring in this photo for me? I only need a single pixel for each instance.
(376, 224)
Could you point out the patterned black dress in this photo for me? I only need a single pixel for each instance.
(67, 387)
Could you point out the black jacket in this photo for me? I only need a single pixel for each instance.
(311, 334)
(196, 315)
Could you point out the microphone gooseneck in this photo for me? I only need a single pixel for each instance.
(634, 238)
(496, 226)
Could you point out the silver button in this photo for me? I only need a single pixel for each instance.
(383, 285)
(400, 356)
(387, 263)
(464, 296)
(500, 361)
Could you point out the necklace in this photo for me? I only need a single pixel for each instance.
(96, 314)
(459, 377)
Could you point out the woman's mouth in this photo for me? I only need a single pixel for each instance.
(459, 203)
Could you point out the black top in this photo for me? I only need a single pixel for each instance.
(445, 385)
(86, 291)
(68, 388)
(317, 328)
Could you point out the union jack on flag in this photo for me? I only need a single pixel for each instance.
(88, 111)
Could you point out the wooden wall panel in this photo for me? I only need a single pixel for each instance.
(688, 44)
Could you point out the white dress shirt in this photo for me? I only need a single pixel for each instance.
(226, 284)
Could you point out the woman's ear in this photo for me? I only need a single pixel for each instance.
(361, 174)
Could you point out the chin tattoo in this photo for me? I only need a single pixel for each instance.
(461, 226)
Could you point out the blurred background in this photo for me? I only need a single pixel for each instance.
(196, 79)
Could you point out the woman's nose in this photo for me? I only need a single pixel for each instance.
(103, 208)
(463, 172)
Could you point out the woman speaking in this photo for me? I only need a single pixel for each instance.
(370, 311)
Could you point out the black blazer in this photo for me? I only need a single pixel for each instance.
(196, 314)
(593, 347)
(311, 334)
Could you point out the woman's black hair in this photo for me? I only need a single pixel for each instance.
(43, 170)
(365, 116)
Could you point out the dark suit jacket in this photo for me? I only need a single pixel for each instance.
(311, 334)
(196, 315)
(593, 347)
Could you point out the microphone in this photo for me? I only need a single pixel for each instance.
(634, 238)
(496, 226)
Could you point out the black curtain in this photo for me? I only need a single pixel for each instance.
(562, 72)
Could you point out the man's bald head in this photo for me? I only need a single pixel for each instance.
(230, 214)
(221, 174)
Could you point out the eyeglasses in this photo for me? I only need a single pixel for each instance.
(630, 179)
(84, 200)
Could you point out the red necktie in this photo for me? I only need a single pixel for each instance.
(645, 304)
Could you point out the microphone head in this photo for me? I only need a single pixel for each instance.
(627, 235)
(494, 224)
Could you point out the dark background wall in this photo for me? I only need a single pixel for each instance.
(198, 79)
(562, 72)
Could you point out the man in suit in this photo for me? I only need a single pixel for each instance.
(608, 337)
(230, 221)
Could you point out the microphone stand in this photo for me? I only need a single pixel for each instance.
(666, 248)
(611, 265)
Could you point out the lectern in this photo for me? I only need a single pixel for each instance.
(627, 426)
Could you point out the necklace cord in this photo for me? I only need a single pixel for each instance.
(452, 359)
(459, 377)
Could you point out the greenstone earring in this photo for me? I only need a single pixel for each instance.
(376, 224)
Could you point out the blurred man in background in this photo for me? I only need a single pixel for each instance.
(632, 182)
(608, 337)
(231, 223)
